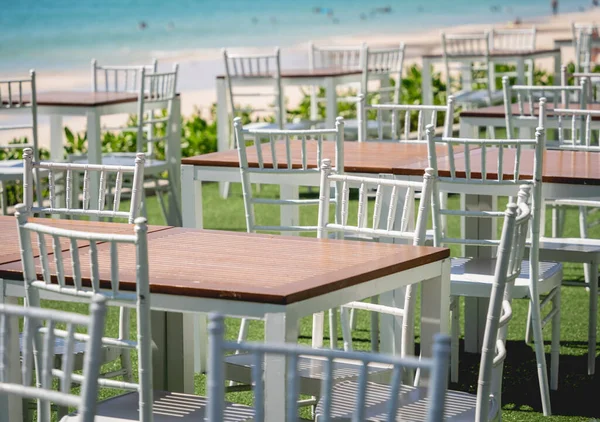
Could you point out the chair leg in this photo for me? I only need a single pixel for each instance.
(528, 334)
(538, 339)
(346, 328)
(161, 200)
(455, 334)
(124, 333)
(375, 327)
(555, 347)
(3, 198)
(317, 329)
(353, 318)
(243, 333)
(333, 328)
(593, 317)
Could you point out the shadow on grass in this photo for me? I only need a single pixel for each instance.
(577, 394)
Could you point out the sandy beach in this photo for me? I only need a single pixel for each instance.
(198, 69)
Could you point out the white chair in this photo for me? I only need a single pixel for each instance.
(575, 134)
(524, 114)
(81, 208)
(358, 398)
(40, 333)
(520, 40)
(469, 56)
(102, 278)
(403, 122)
(402, 402)
(384, 223)
(119, 78)
(592, 83)
(156, 90)
(333, 57)
(17, 97)
(584, 35)
(473, 277)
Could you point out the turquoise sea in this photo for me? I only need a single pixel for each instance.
(66, 34)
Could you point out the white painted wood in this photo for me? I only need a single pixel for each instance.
(191, 196)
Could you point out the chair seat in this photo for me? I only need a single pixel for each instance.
(474, 276)
(123, 159)
(167, 407)
(311, 371)
(413, 404)
(478, 98)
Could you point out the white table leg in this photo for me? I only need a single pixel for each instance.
(289, 214)
(173, 156)
(191, 196)
(426, 87)
(557, 65)
(465, 130)
(477, 228)
(435, 309)
(279, 328)
(521, 71)
(12, 403)
(593, 322)
(222, 127)
(331, 104)
(94, 154)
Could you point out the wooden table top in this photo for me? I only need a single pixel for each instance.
(252, 267)
(84, 98)
(9, 236)
(498, 111)
(315, 73)
(500, 53)
(364, 157)
(565, 167)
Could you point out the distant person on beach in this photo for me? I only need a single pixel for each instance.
(142, 25)
(595, 3)
(554, 7)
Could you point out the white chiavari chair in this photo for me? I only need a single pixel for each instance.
(102, 277)
(402, 122)
(295, 354)
(520, 40)
(584, 36)
(592, 83)
(42, 327)
(112, 78)
(17, 97)
(468, 55)
(402, 402)
(392, 197)
(472, 276)
(156, 91)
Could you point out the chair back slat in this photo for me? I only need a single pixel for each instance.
(279, 146)
(109, 78)
(436, 366)
(39, 336)
(72, 186)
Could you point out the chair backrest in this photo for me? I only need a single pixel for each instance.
(528, 95)
(471, 53)
(282, 162)
(119, 78)
(85, 282)
(592, 83)
(382, 223)
(41, 328)
(243, 70)
(583, 37)
(336, 57)
(513, 39)
(18, 96)
(156, 91)
(403, 122)
(218, 346)
(574, 130)
(508, 267)
(381, 65)
(108, 175)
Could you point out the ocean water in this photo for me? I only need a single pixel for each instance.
(66, 34)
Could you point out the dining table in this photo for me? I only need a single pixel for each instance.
(239, 274)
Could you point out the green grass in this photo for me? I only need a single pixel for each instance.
(578, 397)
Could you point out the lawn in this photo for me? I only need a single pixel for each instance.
(578, 397)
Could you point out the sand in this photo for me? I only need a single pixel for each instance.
(198, 69)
